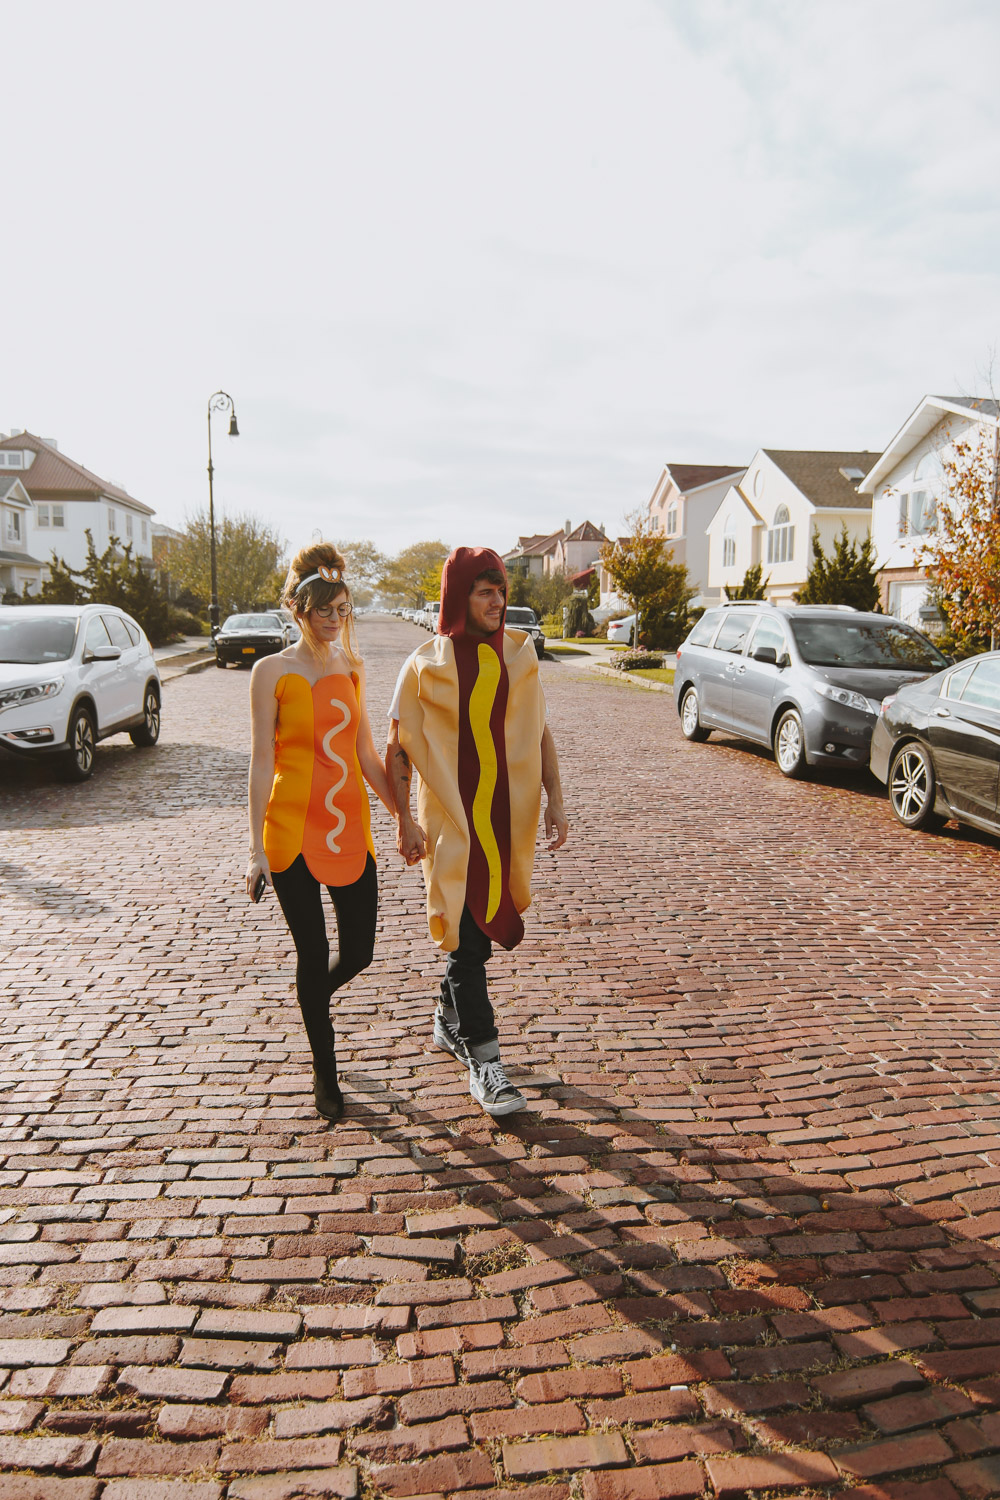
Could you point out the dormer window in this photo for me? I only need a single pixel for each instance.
(12, 458)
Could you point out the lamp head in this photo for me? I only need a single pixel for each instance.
(234, 431)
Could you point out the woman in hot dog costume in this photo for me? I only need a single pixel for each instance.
(468, 713)
(310, 824)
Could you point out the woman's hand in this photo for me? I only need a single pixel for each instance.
(257, 866)
(411, 841)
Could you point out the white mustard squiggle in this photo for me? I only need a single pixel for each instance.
(331, 754)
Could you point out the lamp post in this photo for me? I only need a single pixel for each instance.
(219, 401)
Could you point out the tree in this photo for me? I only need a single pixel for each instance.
(405, 574)
(111, 577)
(962, 556)
(431, 580)
(248, 561)
(365, 565)
(642, 568)
(753, 585)
(848, 577)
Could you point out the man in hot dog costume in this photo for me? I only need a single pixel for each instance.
(468, 713)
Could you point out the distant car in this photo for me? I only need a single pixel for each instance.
(525, 619)
(70, 675)
(936, 746)
(244, 638)
(622, 632)
(806, 680)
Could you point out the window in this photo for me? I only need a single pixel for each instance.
(116, 630)
(671, 520)
(770, 633)
(956, 682)
(13, 460)
(96, 635)
(111, 520)
(41, 515)
(133, 632)
(58, 515)
(734, 630)
(705, 629)
(13, 528)
(145, 534)
(983, 687)
(781, 537)
(128, 524)
(729, 544)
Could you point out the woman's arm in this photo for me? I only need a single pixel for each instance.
(263, 717)
(372, 767)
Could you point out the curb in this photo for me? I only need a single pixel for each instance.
(639, 682)
(195, 666)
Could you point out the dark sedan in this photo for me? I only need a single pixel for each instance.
(243, 638)
(937, 747)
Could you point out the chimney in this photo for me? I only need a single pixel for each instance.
(567, 528)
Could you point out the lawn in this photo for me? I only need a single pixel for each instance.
(655, 674)
(564, 650)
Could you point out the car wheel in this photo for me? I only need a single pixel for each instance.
(790, 744)
(691, 725)
(912, 787)
(78, 761)
(148, 732)
(220, 663)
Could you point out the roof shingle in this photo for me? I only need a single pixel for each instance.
(52, 473)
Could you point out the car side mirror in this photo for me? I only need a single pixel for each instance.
(766, 653)
(102, 653)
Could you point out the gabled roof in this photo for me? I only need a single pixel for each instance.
(921, 421)
(7, 483)
(544, 544)
(818, 476)
(735, 489)
(693, 476)
(586, 532)
(52, 473)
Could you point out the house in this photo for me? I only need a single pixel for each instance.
(528, 557)
(566, 551)
(906, 485)
(67, 499)
(683, 502)
(20, 572)
(770, 515)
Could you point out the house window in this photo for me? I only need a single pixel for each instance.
(128, 524)
(111, 520)
(671, 520)
(13, 459)
(145, 534)
(729, 544)
(13, 526)
(58, 515)
(41, 515)
(781, 537)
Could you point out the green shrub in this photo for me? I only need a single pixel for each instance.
(552, 625)
(578, 619)
(182, 622)
(636, 656)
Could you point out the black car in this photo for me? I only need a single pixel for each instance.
(527, 620)
(937, 747)
(245, 637)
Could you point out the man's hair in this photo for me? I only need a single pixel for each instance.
(491, 575)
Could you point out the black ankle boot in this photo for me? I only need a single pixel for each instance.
(329, 1099)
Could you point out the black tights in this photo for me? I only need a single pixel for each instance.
(301, 898)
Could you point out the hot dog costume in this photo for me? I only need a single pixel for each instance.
(471, 717)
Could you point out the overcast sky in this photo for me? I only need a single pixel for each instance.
(471, 268)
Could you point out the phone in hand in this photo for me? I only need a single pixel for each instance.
(260, 886)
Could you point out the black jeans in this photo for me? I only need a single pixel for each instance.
(356, 906)
(464, 984)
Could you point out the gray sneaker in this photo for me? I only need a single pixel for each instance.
(446, 1033)
(489, 1084)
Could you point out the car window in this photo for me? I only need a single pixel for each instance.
(519, 616)
(96, 635)
(887, 645)
(30, 642)
(956, 682)
(133, 632)
(251, 622)
(983, 686)
(770, 633)
(735, 628)
(705, 629)
(116, 630)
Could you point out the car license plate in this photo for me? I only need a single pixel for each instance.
(249, 650)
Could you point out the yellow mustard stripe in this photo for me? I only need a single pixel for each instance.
(480, 707)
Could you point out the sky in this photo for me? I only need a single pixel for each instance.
(473, 268)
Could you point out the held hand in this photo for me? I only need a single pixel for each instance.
(411, 841)
(256, 866)
(556, 826)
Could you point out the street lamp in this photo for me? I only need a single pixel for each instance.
(219, 401)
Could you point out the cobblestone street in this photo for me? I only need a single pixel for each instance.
(747, 1240)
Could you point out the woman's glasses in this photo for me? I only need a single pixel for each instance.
(329, 610)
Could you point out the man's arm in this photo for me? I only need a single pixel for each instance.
(556, 825)
(411, 841)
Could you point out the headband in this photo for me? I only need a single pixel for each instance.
(327, 575)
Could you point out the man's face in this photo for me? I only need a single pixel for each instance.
(486, 606)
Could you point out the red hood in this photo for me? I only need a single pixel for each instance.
(460, 572)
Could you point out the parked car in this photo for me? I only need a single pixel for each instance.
(70, 675)
(936, 746)
(807, 680)
(525, 619)
(622, 632)
(243, 638)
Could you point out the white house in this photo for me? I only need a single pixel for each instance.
(67, 499)
(682, 504)
(20, 572)
(770, 516)
(906, 486)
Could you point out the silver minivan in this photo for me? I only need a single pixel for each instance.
(807, 680)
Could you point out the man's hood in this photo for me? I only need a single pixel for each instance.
(459, 573)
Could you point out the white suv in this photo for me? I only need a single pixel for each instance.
(70, 675)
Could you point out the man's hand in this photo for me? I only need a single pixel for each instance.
(411, 841)
(556, 825)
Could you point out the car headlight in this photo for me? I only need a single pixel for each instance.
(29, 693)
(845, 697)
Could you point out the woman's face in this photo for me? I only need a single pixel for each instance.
(328, 621)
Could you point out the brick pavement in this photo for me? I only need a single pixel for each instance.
(745, 1241)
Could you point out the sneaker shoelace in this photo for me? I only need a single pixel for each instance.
(495, 1078)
